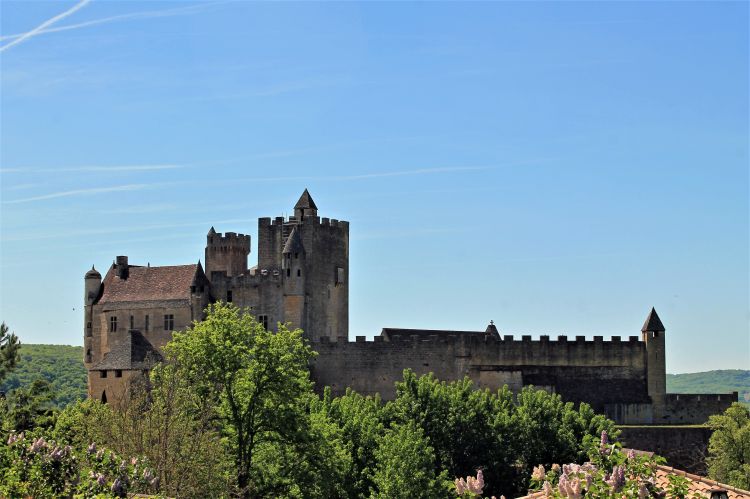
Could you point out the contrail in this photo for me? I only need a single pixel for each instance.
(123, 17)
(46, 23)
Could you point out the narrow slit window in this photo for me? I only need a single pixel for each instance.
(147, 324)
(229, 296)
(113, 324)
(132, 322)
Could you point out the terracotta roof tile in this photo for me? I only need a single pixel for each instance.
(148, 283)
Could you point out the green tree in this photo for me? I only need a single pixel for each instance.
(406, 466)
(729, 447)
(361, 421)
(9, 346)
(24, 409)
(260, 383)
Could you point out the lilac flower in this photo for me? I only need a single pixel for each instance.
(91, 448)
(556, 468)
(605, 439)
(37, 445)
(539, 473)
(617, 479)
(547, 489)
(118, 487)
(100, 455)
(123, 466)
(631, 454)
(133, 461)
(100, 479)
(57, 454)
(155, 482)
(460, 486)
(148, 475)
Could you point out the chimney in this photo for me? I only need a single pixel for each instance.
(122, 267)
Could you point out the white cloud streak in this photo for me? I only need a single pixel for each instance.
(40, 29)
(81, 192)
(94, 169)
(122, 17)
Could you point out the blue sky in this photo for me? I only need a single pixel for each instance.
(556, 167)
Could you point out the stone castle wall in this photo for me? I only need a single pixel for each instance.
(600, 372)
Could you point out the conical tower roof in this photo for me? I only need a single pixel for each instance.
(93, 273)
(293, 243)
(653, 323)
(305, 201)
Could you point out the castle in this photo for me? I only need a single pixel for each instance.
(302, 278)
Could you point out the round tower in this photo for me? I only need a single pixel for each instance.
(93, 282)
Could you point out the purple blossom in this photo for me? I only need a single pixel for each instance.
(37, 445)
(118, 487)
(617, 479)
(100, 479)
(91, 448)
(539, 473)
(547, 489)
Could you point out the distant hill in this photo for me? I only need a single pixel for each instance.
(61, 365)
(731, 380)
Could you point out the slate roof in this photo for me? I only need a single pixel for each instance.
(305, 201)
(134, 352)
(149, 284)
(93, 273)
(653, 323)
(293, 243)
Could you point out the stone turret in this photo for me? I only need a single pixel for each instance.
(226, 253)
(653, 335)
(305, 207)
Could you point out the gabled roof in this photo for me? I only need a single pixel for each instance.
(653, 323)
(149, 284)
(134, 352)
(293, 243)
(305, 201)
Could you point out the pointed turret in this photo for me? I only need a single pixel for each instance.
(305, 207)
(492, 330)
(293, 243)
(653, 323)
(211, 231)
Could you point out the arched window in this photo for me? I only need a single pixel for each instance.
(104, 397)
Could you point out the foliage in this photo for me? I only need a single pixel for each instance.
(60, 365)
(609, 473)
(473, 429)
(9, 346)
(722, 381)
(361, 422)
(34, 466)
(729, 447)
(406, 465)
(164, 421)
(260, 383)
(26, 408)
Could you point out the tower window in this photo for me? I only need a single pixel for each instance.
(263, 319)
(146, 328)
(288, 272)
(88, 355)
(102, 374)
(113, 324)
(299, 272)
(88, 329)
(132, 322)
(118, 373)
(168, 322)
(296, 255)
(104, 397)
(229, 296)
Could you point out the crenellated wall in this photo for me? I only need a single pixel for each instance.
(596, 371)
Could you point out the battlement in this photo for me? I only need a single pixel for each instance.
(308, 220)
(691, 398)
(231, 238)
(478, 339)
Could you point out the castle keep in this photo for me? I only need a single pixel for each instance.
(302, 278)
